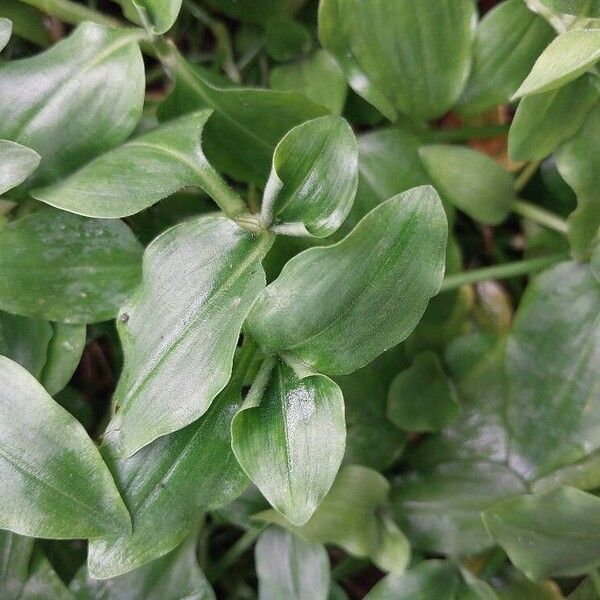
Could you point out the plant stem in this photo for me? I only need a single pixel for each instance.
(233, 554)
(71, 12)
(595, 579)
(526, 174)
(464, 134)
(540, 215)
(514, 269)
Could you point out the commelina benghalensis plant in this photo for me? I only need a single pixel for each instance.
(299, 300)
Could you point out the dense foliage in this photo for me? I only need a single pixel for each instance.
(299, 300)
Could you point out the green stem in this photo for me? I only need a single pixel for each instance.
(540, 215)
(233, 554)
(526, 174)
(464, 134)
(595, 579)
(523, 267)
(71, 12)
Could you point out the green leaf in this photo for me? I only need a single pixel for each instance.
(5, 32)
(25, 341)
(289, 437)
(50, 468)
(380, 279)
(576, 162)
(78, 99)
(507, 42)
(247, 124)
(168, 484)
(318, 77)
(556, 533)
(158, 15)
(200, 279)
(430, 579)
(64, 353)
(397, 56)
(43, 583)
(27, 22)
(15, 553)
(471, 181)
(290, 567)
(421, 398)
(17, 163)
(175, 576)
(61, 267)
(286, 39)
(570, 55)
(544, 121)
(350, 516)
(255, 11)
(138, 174)
(313, 179)
(580, 8)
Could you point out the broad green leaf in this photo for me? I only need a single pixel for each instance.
(64, 353)
(580, 8)
(507, 42)
(27, 22)
(318, 77)
(25, 341)
(175, 576)
(55, 483)
(556, 533)
(286, 39)
(576, 162)
(290, 436)
(313, 179)
(421, 398)
(584, 591)
(17, 163)
(61, 267)
(138, 174)
(380, 279)
(429, 579)
(168, 485)
(351, 517)
(472, 588)
(77, 99)
(247, 124)
(5, 32)
(471, 181)
(544, 121)
(15, 556)
(158, 15)
(397, 56)
(371, 440)
(551, 367)
(570, 55)
(290, 567)
(180, 328)
(43, 582)
(255, 11)
(440, 508)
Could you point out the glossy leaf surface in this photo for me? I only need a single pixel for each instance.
(471, 181)
(84, 269)
(583, 8)
(55, 483)
(570, 55)
(350, 517)
(77, 99)
(313, 179)
(289, 437)
(380, 279)
(192, 470)
(158, 15)
(318, 77)
(508, 41)
(556, 533)
(5, 32)
(247, 123)
(200, 280)
(139, 173)
(421, 398)
(290, 567)
(16, 164)
(397, 56)
(544, 121)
